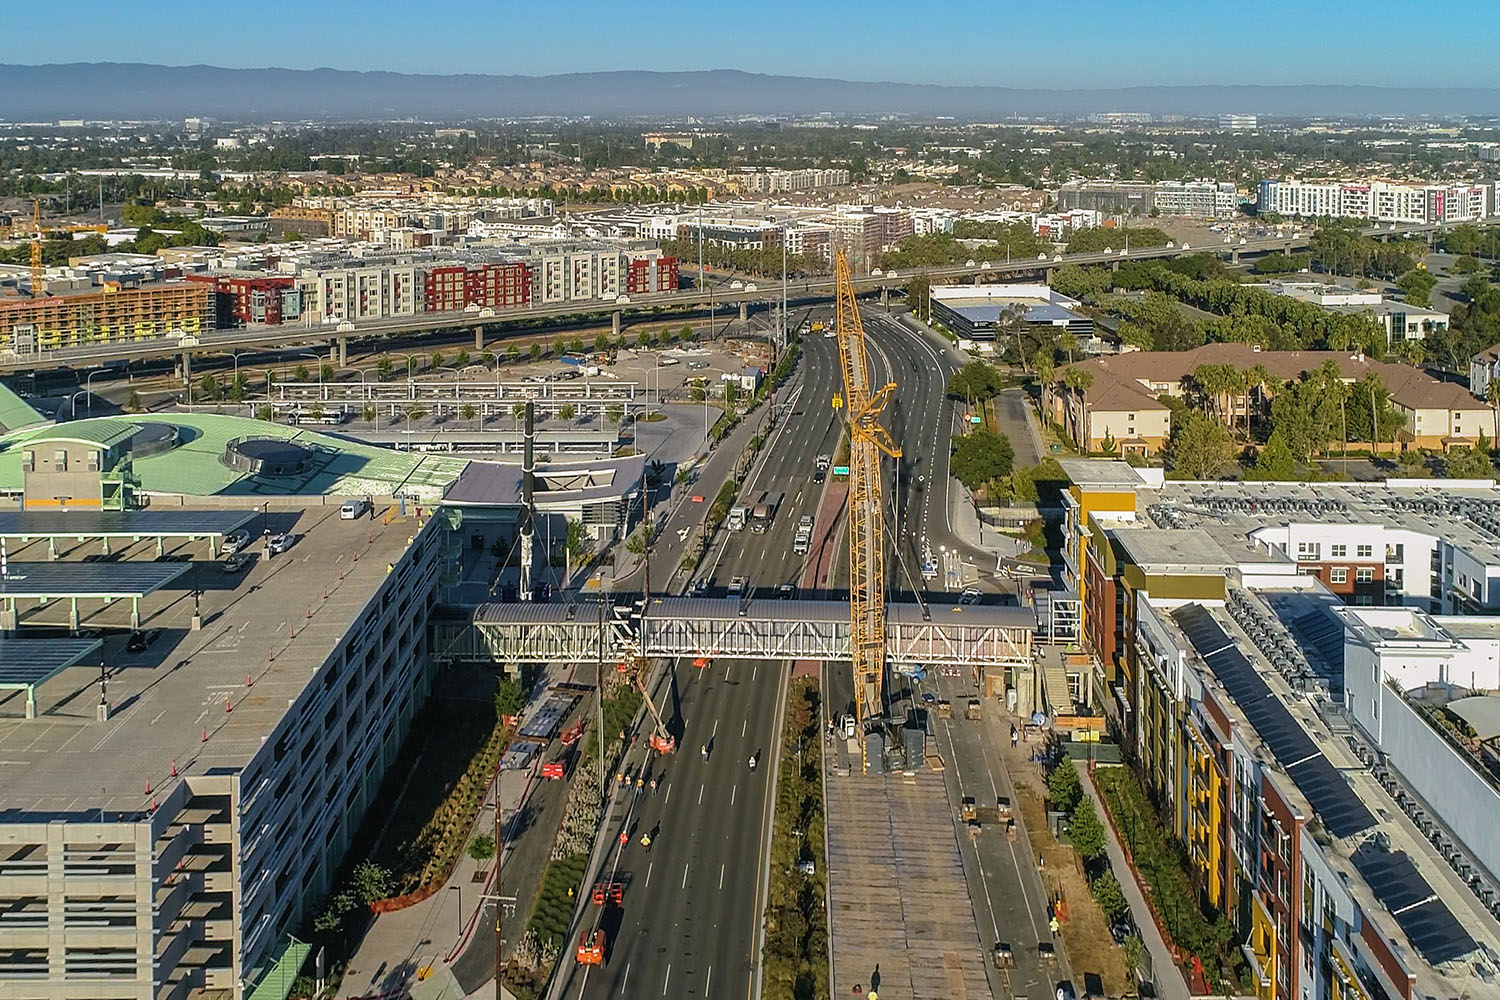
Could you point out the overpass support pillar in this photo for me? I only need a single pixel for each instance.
(614, 324)
(187, 368)
(343, 351)
(1234, 256)
(1114, 265)
(885, 296)
(744, 311)
(478, 338)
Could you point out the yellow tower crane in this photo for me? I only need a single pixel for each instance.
(867, 441)
(38, 273)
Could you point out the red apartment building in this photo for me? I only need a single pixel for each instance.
(647, 275)
(239, 300)
(454, 287)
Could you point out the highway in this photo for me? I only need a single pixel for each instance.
(219, 341)
(692, 908)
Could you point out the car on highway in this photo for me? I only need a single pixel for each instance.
(786, 592)
(736, 586)
(876, 273)
(234, 541)
(238, 562)
(279, 543)
(807, 868)
(892, 274)
(928, 697)
(353, 510)
(669, 361)
(700, 587)
(971, 595)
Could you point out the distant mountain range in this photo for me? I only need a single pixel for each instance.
(123, 91)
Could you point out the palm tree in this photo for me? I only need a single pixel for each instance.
(1079, 380)
(383, 366)
(468, 411)
(1492, 395)
(1067, 343)
(1257, 378)
(1046, 369)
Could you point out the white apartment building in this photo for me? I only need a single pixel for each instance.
(1199, 199)
(1377, 201)
(783, 181)
(353, 294)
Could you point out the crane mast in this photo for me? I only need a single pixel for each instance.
(868, 440)
(38, 272)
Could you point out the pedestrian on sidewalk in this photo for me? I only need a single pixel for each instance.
(1014, 738)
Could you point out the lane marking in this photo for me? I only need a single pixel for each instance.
(753, 671)
(721, 878)
(649, 866)
(742, 728)
(700, 795)
(624, 979)
(732, 792)
(708, 982)
(684, 874)
(667, 980)
(669, 796)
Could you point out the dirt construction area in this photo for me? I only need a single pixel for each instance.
(1085, 933)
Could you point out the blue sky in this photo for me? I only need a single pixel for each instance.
(1020, 43)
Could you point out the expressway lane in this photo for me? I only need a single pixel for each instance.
(690, 914)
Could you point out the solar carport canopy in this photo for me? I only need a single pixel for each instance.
(27, 524)
(26, 664)
(99, 580)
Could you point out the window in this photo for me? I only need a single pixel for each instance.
(1364, 575)
(1338, 551)
(1339, 575)
(1309, 550)
(1364, 552)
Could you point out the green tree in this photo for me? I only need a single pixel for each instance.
(615, 413)
(1417, 284)
(300, 372)
(687, 331)
(919, 296)
(368, 415)
(437, 359)
(512, 354)
(510, 697)
(482, 847)
(384, 366)
(416, 411)
(698, 393)
(1043, 366)
(208, 388)
(975, 382)
(468, 411)
(1275, 462)
(535, 351)
(635, 544)
(326, 371)
(1468, 463)
(981, 456)
(518, 411)
(237, 388)
(1086, 832)
(487, 358)
(731, 394)
(1110, 897)
(1200, 446)
(567, 411)
(601, 342)
(369, 882)
(1467, 264)
(133, 402)
(461, 359)
(1064, 787)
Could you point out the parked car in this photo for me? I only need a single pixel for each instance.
(238, 562)
(234, 541)
(353, 510)
(139, 640)
(277, 544)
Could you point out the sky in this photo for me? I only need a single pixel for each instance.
(1014, 43)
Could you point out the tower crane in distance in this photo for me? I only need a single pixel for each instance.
(868, 440)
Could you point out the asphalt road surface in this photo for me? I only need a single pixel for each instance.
(692, 904)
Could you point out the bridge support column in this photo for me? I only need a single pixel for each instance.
(744, 311)
(885, 296)
(187, 368)
(343, 351)
(614, 324)
(1114, 265)
(478, 338)
(1234, 256)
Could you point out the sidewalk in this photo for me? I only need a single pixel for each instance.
(1168, 978)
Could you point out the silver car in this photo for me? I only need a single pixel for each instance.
(277, 544)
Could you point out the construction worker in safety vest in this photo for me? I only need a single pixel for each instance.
(646, 841)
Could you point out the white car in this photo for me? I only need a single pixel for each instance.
(971, 595)
(1056, 258)
(1186, 246)
(353, 510)
(277, 544)
(234, 541)
(984, 265)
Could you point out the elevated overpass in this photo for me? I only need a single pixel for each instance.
(751, 629)
(338, 335)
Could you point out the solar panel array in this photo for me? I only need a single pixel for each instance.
(99, 579)
(1430, 926)
(32, 661)
(145, 523)
(1339, 809)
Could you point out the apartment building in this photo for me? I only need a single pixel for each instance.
(1224, 660)
(109, 315)
(769, 181)
(1199, 199)
(358, 293)
(1377, 201)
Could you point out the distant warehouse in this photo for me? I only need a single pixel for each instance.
(972, 312)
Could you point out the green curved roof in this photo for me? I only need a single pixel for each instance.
(195, 467)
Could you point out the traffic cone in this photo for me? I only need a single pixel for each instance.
(205, 735)
(249, 681)
(148, 786)
(228, 705)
